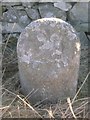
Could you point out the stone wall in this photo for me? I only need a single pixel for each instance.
(16, 16)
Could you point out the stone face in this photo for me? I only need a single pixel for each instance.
(28, 4)
(63, 5)
(84, 63)
(32, 13)
(18, 7)
(79, 13)
(48, 57)
(10, 15)
(11, 28)
(83, 27)
(17, 16)
(23, 18)
(48, 11)
(88, 37)
(78, 17)
(8, 3)
(84, 56)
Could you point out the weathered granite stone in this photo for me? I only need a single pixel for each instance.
(88, 37)
(8, 3)
(28, 4)
(63, 5)
(11, 28)
(17, 16)
(82, 27)
(84, 63)
(32, 13)
(78, 17)
(79, 13)
(23, 18)
(48, 11)
(48, 57)
(10, 15)
(1, 66)
(0, 10)
(84, 56)
(19, 7)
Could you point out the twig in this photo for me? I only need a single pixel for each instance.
(50, 112)
(70, 106)
(18, 111)
(29, 106)
(4, 107)
(10, 114)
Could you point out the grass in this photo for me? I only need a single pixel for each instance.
(14, 103)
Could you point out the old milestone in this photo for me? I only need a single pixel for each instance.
(48, 59)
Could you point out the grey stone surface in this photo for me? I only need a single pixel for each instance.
(48, 10)
(79, 12)
(84, 56)
(17, 16)
(11, 3)
(28, 4)
(63, 5)
(78, 16)
(19, 7)
(11, 28)
(23, 18)
(84, 63)
(82, 27)
(48, 57)
(0, 27)
(88, 37)
(10, 15)
(32, 13)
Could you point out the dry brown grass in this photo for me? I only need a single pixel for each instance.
(14, 105)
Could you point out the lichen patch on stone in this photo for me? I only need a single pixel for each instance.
(78, 46)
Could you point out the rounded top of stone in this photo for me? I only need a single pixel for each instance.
(44, 20)
(50, 19)
(48, 40)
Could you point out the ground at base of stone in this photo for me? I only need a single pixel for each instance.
(14, 105)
